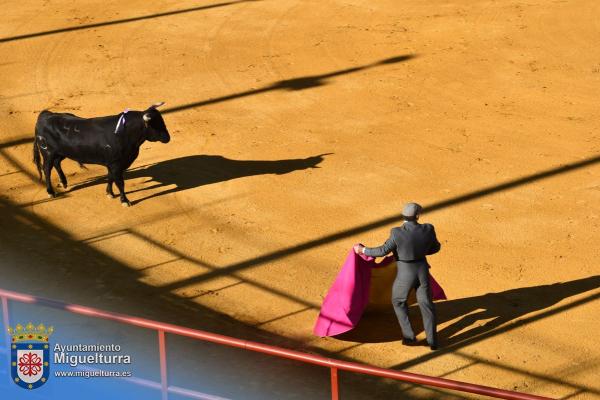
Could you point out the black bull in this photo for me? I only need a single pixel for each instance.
(95, 141)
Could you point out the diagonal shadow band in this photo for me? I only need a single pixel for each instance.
(500, 330)
(286, 252)
(120, 21)
(16, 142)
(17, 165)
(253, 282)
(295, 84)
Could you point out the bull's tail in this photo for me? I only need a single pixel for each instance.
(36, 156)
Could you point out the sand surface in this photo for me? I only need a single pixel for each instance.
(298, 129)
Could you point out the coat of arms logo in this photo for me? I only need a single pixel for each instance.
(30, 355)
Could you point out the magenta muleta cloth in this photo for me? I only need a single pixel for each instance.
(349, 295)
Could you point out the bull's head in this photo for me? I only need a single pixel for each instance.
(156, 130)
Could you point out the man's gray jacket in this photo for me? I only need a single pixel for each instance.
(410, 242)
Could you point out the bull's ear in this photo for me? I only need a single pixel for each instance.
(156, 105)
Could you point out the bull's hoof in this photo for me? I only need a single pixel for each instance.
(110, 196)
(126, 204)
(51, 195)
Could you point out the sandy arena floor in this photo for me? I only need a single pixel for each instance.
(298, 129)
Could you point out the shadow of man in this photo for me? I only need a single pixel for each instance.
(495, 308)
(194, 171)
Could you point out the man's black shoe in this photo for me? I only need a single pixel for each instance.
(409, 342)
(433, 347)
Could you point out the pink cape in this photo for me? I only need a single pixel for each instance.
(346, 300)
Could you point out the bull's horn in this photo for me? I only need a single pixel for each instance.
(146, 117)
(156, 105)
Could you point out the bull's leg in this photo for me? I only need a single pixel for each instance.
(109, 186)
(121, 185)
(48, 163)
(61, 174)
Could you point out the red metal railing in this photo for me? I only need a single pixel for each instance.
(332, 364)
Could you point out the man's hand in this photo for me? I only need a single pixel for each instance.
(358, 249)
